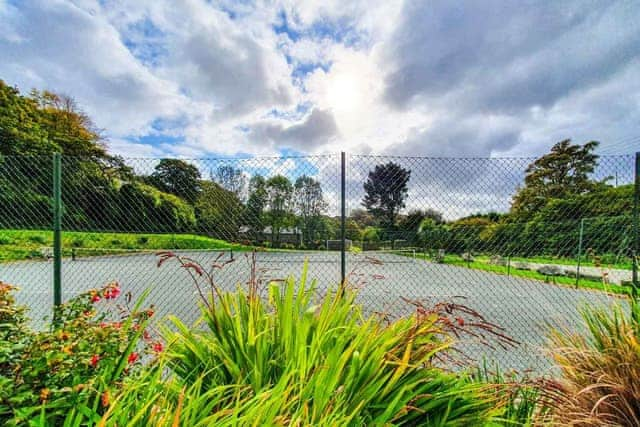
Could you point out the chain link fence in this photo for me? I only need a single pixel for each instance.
(467, 231)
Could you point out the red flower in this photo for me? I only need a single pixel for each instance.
(117, 325)
(95, 298)
(112, 292)
(133, 357)
(150, 312)
(94, 360)
(146, 335)
(158, 347)
(460, 321)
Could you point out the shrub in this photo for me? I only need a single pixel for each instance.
(77, 243)
(69, 367)
(38, 238)
(143, 240)
(600, 371)
(314, 360)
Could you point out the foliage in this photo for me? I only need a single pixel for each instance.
(314, 360)
(86, 353)
(600, 371)
(177, 177)
(279, 204)
(527, 401)
(432, 235)
(156, 210)
(232, 180)
(564, 172)
(22, 244)
(256, 204)
(385, 192)
(218, 211)
(308, 206)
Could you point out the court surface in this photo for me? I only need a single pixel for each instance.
(524, 308)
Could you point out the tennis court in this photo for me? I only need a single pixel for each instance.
(523, 307)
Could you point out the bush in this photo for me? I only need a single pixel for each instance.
(143, 240)
(69, 367)
(600, 371)
(37, 238)
(296, 359)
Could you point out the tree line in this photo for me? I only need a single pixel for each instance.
(102, 192)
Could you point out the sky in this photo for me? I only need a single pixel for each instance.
(195, 78)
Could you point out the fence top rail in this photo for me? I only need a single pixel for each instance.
(310, 156)
(453, 158)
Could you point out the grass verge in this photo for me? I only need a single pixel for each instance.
(18, 245)
(483, 265)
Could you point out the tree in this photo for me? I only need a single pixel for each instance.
(231, 179)
(362, 217)
(177, 177)
(385, 192)
(432, 234)
(410, 223)
(218, 211)
(563, 172)
(256, 203)
(309, 204)
(279, 192)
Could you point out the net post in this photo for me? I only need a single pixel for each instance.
(342, 218)
(57, 237)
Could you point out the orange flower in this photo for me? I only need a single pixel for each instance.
(44, 394)
(105, 398)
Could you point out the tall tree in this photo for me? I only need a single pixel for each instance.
(309, 204)
(177, 177)
(218, 211)
(256, 203)
(385, 192)
(279, 205)
(231, 179)
(563, 172)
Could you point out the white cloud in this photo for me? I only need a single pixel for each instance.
(398, 77)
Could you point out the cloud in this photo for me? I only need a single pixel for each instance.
(399, 77)
(315, 130)
(61, 47)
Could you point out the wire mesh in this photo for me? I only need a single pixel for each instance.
(525, 270)
(428, 229)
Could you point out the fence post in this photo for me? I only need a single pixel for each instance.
(343, 213)
(636, 231)
(579, 251)
(57, 237)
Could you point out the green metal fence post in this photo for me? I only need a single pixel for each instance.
(57, 237)
(343, 213)
(579, 251)
(636, 230)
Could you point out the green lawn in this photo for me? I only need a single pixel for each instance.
(482, 264)
(622, 264)
(26, 244)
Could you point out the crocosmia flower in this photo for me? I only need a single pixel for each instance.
(94, 360)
